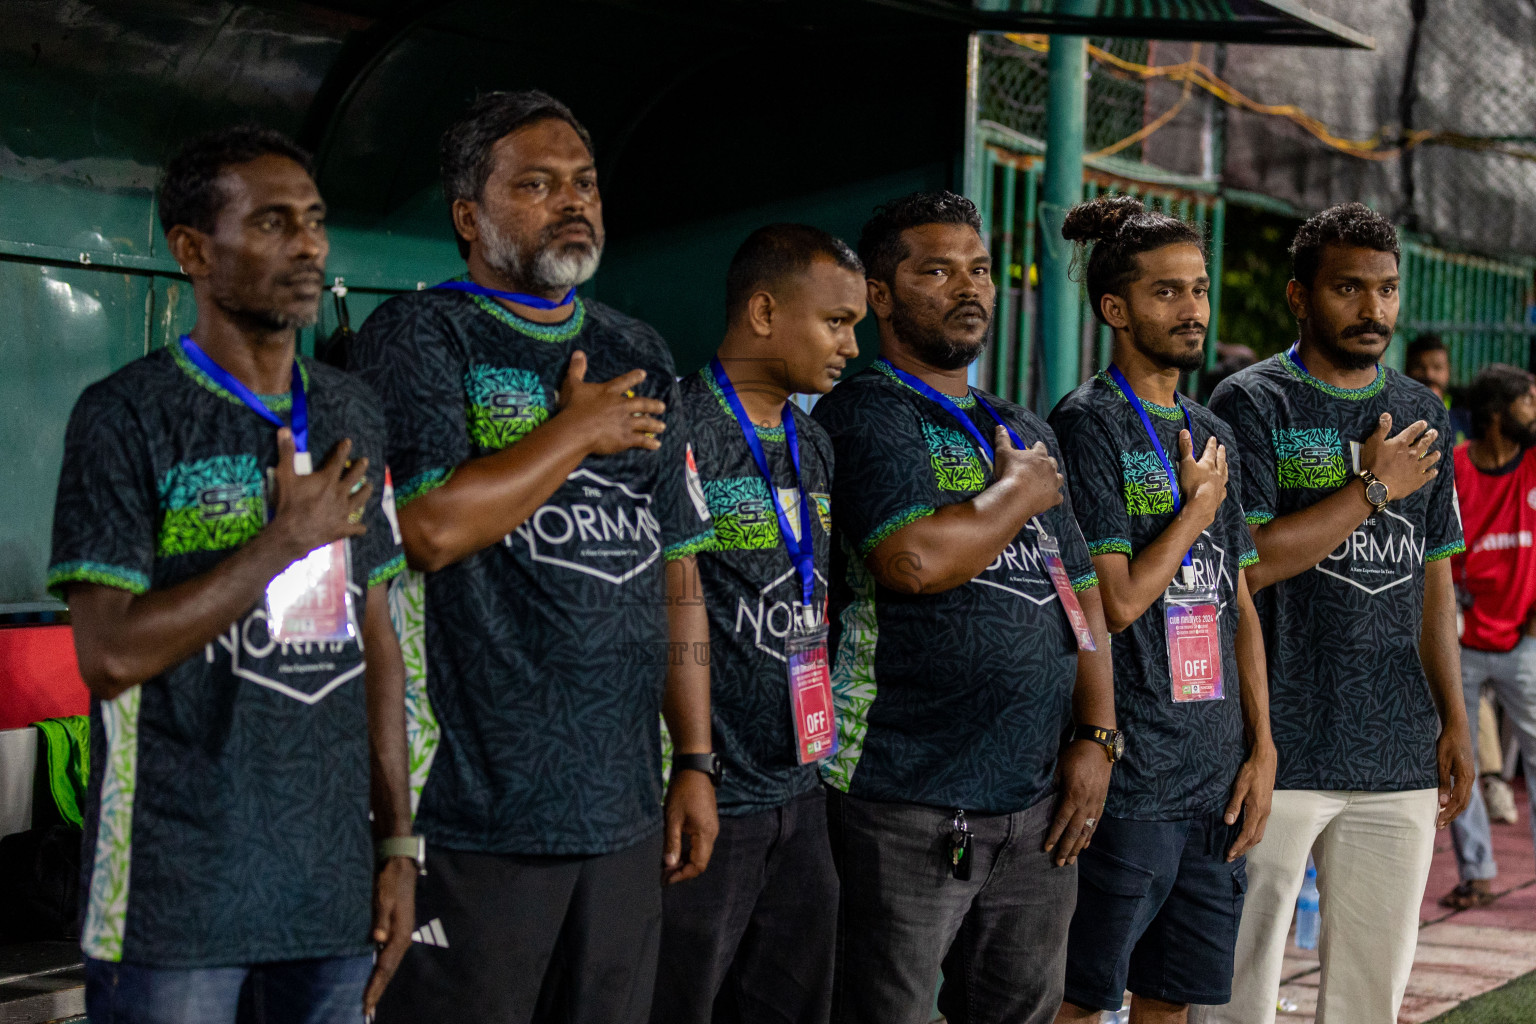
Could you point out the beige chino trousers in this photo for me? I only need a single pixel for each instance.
(1373, 853)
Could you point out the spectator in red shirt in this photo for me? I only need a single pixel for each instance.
(1496, 488)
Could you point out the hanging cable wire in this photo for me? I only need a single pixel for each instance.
(1195, 74)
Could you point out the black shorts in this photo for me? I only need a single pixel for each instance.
(1157, 912)
(518, 938)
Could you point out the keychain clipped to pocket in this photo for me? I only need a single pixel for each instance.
(1051, 552)
(1193, 614)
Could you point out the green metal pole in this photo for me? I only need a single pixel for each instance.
(1218, 238)
(1026, 348)
(1003, 254)
(1066, 112)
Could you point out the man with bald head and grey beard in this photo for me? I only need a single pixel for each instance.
(550, 515)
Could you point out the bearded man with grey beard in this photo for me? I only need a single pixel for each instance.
(550, 515)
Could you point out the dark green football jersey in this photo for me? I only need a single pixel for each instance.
(535, 666)
(751, 588)
(958, 699)
(1350, 706)
(1180, 758)
(227, 817)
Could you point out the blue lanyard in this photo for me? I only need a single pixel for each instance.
(1157, 445)
(803, 551)
(1295, 356)
(226, 380)
(949, 406)
(495, 293)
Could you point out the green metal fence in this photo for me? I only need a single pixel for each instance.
(1010, 206)
(1481, 308)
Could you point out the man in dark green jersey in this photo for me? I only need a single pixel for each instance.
(752, 938)
(1160, 890)
(551, 518)
(962, 599)
(225, 556)
(1354, 515)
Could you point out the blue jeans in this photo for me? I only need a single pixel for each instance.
(1512, 674)
(323, 991)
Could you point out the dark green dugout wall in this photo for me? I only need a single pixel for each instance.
(710, 119)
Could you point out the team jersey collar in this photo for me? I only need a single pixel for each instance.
(277, 403)
(965, 401)
(1371, 390)
(560, 332)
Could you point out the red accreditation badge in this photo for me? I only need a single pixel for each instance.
(1051, 552)
(810, 692)
(1194, 644)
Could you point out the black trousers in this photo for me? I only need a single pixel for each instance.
(513, 939)
(750, 941)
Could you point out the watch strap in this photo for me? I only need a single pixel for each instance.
(709, 764)
(411, 847)
(1109, 739)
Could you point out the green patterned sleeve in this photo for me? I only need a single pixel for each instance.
(107, 508)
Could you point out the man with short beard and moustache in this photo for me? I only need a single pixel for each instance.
(1496, 485)
(550, 517)
(1355, 526)
(233, 748)
(967, 638)
(1166, 869)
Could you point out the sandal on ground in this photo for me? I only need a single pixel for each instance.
(1467, 896)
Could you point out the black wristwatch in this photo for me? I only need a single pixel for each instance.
(709, 764)
(1112, 740)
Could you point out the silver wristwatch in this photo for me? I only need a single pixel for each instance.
(414, 847)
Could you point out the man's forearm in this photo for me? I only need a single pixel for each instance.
(487, 498)
(124, 639)
(1290, 545)
(384, 678)
(954, 545)
(1252, 669)
(1093, 695)
(686, 704)
(1129, 586)
(1438, 646)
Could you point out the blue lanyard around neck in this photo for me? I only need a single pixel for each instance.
(1294, 355)
(948, 404)
(1157, 444)
(802, 552)
(532, 301)
(226, 380)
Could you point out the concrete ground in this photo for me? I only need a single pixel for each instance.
(1461, 954)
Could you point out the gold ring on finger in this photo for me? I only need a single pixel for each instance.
(355, 516)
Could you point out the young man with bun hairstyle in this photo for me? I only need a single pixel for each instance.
(541, 462)
(971, 667)
(1353, 513)
(1155, 475)
(752, 938)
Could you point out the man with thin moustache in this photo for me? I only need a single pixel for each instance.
(968, 637)
(1355, 526)
(1166, 872)
(752, 938)
(237, 728)
(551, 520)
(1496, 486)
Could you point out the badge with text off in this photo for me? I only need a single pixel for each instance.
(1194, 643)
(810, 688)
(1051, 552)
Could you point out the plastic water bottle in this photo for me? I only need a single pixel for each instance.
(1306, 910)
